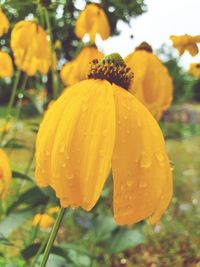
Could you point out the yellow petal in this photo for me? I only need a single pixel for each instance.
(5, 174)
(83, 144)
(192, 49)
(45, 138)
(141, 171)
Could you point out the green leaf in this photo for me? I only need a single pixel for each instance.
(32, 197)
(14, 220)
(124, 239)
(22, 176)
(5, 241)
(102, 227)
(55, 261)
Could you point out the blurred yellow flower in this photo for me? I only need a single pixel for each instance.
(5, 174)
(44, 221)
(77, 69)
(6, 65)
(186, 43)
(4, 23)
(194, 70)
(92, 21)
(5, 127)
(152, 83)
(31, 47)
(96, 125)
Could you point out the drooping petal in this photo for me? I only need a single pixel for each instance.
(45, 138)
(82, 135)
(141, 171)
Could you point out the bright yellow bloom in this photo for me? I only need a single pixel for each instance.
(6, 65)
(92, 21)
(4, 23)
(152, 83)
(5, 127)
(31, 47)
(195, 70)
(97, 125)
(5, 174)
(186, 43)
(77, 69)
(44, 221)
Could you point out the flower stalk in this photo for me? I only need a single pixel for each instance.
(52, 237)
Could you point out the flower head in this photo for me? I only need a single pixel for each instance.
(6, 65)
(186, 43)
(92, 21)
(76, 70)
(152, 83)
(30, 47)
(5, 174)
(4, 23)
(194, 70)
(97, 125)
(45, 220)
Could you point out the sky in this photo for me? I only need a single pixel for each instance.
(163, 18)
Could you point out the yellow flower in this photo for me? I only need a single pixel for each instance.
(186, 43)
(77, 69)
(44, 221)
(92, 21)
(194, 70)
(152, 84)
(6, 65)
(4, 23)
(31, 47)
(5, 127)
(97, 125)
(5, 174)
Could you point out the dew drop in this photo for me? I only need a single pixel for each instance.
(84, 107)
(160, 157)
(70, 176)
(122, 187)
(126, 117)
(62, 149)
(64, 165)
(139, 123)
(129, 183)
(143, 185)
(128, 131)
(145, 161)
(47, 153)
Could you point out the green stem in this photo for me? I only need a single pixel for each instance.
(41, 248)
(53, 73)
(52, 237)
(11, 102)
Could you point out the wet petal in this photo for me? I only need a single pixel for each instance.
(83, 145)
(140, 166)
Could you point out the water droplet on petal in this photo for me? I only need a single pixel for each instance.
(62, 149)
(64, 165)
(145, 161)
(47, 153)
(129, 183)
(139, 123)
(160, 157)
(125, 117)
(84, 107)
(128, 131)
(70, 176)
(143, 185)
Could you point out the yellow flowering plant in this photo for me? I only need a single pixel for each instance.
(6, 65)
(194, 70)
(5, 174)
(4, 23)
(76, 70)
(186, 43)
(92, 21)
(31, 47)
(152, 84)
